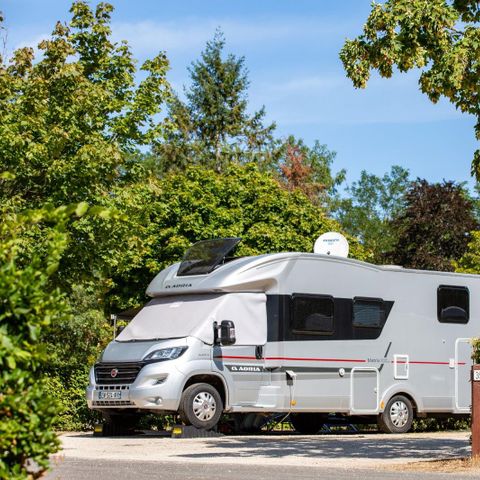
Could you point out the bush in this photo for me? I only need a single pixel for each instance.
(440, 424)
(27, 306)
(69, 394)
(73, 346)
(476, 350)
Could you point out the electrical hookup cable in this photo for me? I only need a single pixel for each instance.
(291, 378)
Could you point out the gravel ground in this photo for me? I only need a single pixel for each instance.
(362, 451)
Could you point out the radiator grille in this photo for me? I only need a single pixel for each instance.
(124, 373)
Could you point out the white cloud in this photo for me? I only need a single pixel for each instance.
(147, 37)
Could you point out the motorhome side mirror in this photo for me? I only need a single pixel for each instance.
(227, 332)
(453, 314)
(120, 329)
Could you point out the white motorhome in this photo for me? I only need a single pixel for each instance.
(310, 334)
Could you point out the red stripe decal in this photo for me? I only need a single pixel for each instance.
(429, 363)
(302, 359)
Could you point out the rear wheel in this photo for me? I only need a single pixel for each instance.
(308, 423)
(201, 406)
(397, 416)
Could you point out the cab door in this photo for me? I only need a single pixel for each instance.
(244, 369)
(242, 362)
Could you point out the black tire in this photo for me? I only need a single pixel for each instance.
(307, 423)
(397, 416)
(200, 406)
(117, 425)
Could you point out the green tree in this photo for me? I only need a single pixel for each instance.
(169, 215)
(213, 127)
(69, 117)
(433, 228)
(441, 37)
(371, 205)
(70, 123)
(470, 260)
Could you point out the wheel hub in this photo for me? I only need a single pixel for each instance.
(204, 406)
(399, 414)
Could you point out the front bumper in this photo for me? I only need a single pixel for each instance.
(158, 386)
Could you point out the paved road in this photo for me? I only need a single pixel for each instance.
(81, 469)
(282, 457)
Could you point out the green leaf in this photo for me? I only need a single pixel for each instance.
(81, 209)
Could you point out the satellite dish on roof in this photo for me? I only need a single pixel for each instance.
(331, 243)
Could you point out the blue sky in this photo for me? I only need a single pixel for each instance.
(291, 49)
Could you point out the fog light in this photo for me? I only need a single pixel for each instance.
(160, 379)
(158, 400)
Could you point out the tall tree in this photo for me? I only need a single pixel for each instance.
(69, 118)
(70, 121)
(372, 203)
(433, 229)
(213, 126)
(441, 37)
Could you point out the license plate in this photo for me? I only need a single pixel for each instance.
(109, 395)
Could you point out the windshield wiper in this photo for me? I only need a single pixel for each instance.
(148, 339)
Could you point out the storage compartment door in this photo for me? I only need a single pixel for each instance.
(364, 390)
(462, 367)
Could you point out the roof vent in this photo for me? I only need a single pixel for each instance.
(331, 243)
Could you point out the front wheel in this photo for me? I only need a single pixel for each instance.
(200, 406)
(397, 416)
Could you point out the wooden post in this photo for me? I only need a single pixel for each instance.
(476, 410)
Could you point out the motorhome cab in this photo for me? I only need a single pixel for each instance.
(309, 334)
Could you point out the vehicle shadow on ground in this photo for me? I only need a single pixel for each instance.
(331, 448)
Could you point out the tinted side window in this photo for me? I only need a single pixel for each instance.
(453, 304)
(313, 315)
(368, 313)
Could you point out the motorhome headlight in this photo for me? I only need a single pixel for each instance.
(165, 354)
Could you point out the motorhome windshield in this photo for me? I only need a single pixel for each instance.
(193, 315)
(203, 257)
